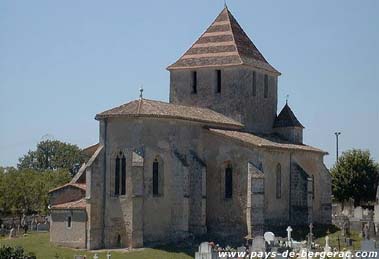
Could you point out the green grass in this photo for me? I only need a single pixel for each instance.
(39, 245)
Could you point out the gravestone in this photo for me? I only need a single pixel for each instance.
(269, 237)
(371, 229)
(346, 228)
(366, 231)
(358, 213)
(205, 252)
(259, 244)
(327, 248)
(12, 233)
(43, 227)
(79, 257)
(368, 245)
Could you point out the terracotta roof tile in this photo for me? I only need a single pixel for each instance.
(269, 141)
(77, 185)
(151, 108)
(79, 204)
(89, 151)
(229, 41)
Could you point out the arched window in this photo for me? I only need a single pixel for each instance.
(254, 83)
(194, 82)
(69, 222)
(278, 181)
(158, 176)
(228, 181)
(155, 177)
(118, 240)
(266, 87)
(117, 177)
(218, 81)
(123, 175)
(120, 175)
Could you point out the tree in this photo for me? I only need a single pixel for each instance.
(53, 155)
(356, 176)
(26, 190)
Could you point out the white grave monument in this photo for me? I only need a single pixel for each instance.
(269, 237)
(259, 244)
(327, 248)
(205, 252)
(289, 238)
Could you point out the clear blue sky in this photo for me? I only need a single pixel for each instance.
(61, 62)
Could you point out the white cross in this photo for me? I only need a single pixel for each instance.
(95, 256)
(289, 230)
(310, 228)
(108, 255)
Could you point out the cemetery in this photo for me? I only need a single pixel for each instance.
(340, 244)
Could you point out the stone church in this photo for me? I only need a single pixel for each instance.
(216, 159)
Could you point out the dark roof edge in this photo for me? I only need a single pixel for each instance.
(266, 146)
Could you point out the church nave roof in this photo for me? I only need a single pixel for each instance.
(267, 141)
(159, 109)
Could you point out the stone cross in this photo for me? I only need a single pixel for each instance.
(289, 238)
(95, 256)
(289, 230)
(310, 235)
(327, 247)
(108, 255)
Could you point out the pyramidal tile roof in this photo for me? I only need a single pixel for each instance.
(287, 118)
(151, 108)
(224, 43)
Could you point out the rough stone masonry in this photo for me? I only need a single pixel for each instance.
(216, 159)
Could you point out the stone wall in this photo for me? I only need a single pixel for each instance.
(236, 99)
(300, 189)
(61, 234)
(292, 134)
(192, 170)
(228, 216)
(139, 217)
(95, 198)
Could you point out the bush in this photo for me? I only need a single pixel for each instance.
(7, 252)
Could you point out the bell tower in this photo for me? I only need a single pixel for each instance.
(224, 71)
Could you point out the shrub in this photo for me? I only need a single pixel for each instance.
(7, 252)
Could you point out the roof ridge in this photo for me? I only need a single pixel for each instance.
(161, 109)
(139, 105)
(194, 43)
(229, 15)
